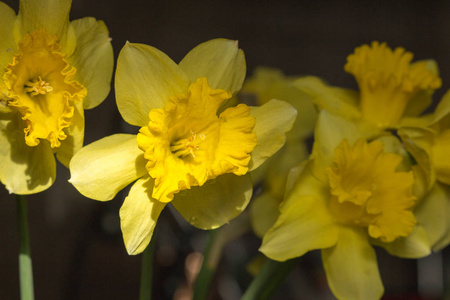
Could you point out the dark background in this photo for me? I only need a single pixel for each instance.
(77, 247)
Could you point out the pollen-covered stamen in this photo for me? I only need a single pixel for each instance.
(187, 146)
(37, 87)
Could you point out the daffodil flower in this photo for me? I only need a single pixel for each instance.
(352, 194)
(266, 84)
(51, 69)
(391, 88)
(188, 151)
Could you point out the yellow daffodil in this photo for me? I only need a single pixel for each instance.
(391, 88)
(50, 70)
(188, 151)
(352, 194)
(264, 85)
(430, 147)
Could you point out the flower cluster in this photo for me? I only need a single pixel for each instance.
(378, 173)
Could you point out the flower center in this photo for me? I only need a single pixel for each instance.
(41, 87)
(387, 81)
(37, 87)
(185, 147)
(186, 143)
(367, 191)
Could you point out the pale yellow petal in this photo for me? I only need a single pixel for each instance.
(24, 170)
(416, 245)
(273, 120)
(351, 266)
(93, 59)
(443, 108)
(75, 136)
(216, 202)
(219, 60)
(336, 100)
(7, 45)
(101, 169)
(145, 79)
(138, 216)
(302, 226)
(264, 213)
(433, 214)
(330, 131)
(52, 15)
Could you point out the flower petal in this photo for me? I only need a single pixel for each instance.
(53, 15)
(273, 120)
(24, 170)
(432, 212)
(351, 266)
(329, 133)
(7, 45)
(75, 136)
(93, 59)
(263, 213)
(101, 169)
(219, 60)
(338, 101)
(145, 79)
(138, 216)
(216, 202)
(304, 223)
(416, 245)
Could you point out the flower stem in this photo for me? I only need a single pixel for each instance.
(145, 292)
(25, 265)
(270, 277)
(217, 240)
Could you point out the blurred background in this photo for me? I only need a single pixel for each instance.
(76, 243)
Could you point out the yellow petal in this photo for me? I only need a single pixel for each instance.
(304, 223)
(145, 79)
(24, 170)
(52, 15)
(327, 138)
(443, 108)
(351, 266)
(138, 216)
(93, 59)
(416, 245)
(216, 202)
(264, 213)
(338, 101)
(273, 120)
(433, 212)
(75, 136)
(219, 60)
(302, 226)
(101, 169)
(7, 45)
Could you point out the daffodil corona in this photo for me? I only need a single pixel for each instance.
(189, 151)
(52, 70)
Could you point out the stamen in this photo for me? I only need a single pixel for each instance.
(38, 87)
(184, 147)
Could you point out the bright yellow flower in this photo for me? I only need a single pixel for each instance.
(391, 88)
(51, 70)
(189, 151)
(351, 195)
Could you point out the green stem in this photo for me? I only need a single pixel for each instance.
(25, 265)
(217, 240)
(207, 271)
(270, 277)
(145, 292)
